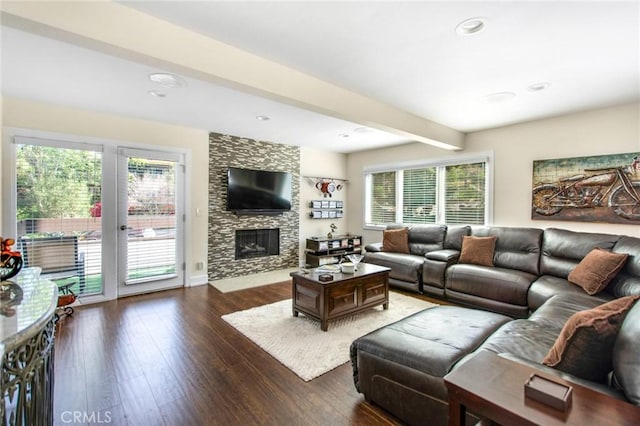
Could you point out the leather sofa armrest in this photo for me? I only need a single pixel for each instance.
(373, 247)
(435, 266)
(448, 256)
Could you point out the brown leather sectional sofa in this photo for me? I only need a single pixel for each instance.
(522, 302)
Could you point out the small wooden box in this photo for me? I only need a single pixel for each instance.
(325, 277)
(548, 392)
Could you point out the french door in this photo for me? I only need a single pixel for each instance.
(150, 220)
(120, 210)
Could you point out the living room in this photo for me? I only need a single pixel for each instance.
(608, 128)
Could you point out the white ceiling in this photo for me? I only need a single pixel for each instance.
(405, 54)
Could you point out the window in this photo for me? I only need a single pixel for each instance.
(419, 195)
(451, 192)
(383, 197)
(58, 212)
(465, 193)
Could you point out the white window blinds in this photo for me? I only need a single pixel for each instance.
(465, 194)
(419, 196)
(383, 197)
(452, 192)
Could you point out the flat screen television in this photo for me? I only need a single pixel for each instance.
(258, 191)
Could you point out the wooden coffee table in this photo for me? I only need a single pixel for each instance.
(345, 295)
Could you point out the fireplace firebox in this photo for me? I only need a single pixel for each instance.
(251, 243)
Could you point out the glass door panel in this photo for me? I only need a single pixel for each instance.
(150, 218)
(59, 219)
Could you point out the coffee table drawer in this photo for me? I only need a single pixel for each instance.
(343, 299)
(374, 292)
(308, 298)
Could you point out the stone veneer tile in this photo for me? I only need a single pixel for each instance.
(231, 151)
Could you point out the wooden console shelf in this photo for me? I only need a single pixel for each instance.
(327, 251)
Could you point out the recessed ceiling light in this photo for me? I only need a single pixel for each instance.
(499, 97)
(471, 26)
(343, 135)
(168, 80)
(262, 118)
(536, 87)
(157, 94)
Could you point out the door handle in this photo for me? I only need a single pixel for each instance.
(124, 227)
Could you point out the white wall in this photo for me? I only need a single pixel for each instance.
(598, 132)
(318, 163)
(1, 172)
(605, 131)
(24, 114)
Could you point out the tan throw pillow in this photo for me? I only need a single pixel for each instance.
(477, 250)
(597, 269)
(396, 240)
(584, 347)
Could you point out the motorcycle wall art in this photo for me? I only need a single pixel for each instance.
(603, 188)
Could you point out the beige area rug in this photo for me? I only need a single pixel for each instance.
(300, 345)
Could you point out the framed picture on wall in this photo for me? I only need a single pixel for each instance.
(602, 188)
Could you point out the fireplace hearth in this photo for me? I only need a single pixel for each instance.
(252, 243)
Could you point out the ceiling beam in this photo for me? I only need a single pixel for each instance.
(127, 33)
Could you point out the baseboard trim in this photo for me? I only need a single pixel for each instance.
(196, 280)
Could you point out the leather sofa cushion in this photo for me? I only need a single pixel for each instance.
(498, 284)
(453, 238)
(395, 240)
(516, 248)
(423, 238)
(558, 309)
(597, 269)
(426, 238)
(548, 286)
(404, 267)
(626, 362)
(562, 250)
(374, 246)
(627, 281)
(523, 338)
(431, 341)
(583, 346)
(477, 250)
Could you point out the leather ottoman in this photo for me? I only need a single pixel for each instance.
(401, 366)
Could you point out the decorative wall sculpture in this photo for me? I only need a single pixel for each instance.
(603, 188)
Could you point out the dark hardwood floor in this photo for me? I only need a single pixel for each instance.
(168, 358)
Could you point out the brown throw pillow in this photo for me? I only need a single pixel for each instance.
(396, 240)
(597, 269)
(477, 250)
(584, 347)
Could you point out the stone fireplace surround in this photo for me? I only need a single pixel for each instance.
(231, 151)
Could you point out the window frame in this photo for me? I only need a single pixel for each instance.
(440, 164)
